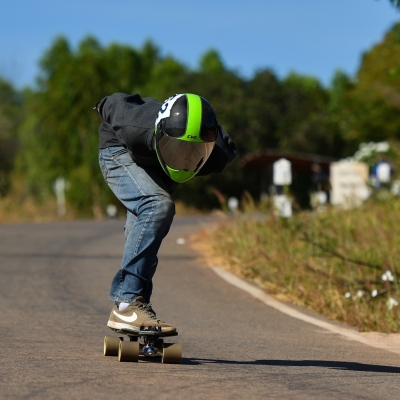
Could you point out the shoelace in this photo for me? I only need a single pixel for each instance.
(148, 310)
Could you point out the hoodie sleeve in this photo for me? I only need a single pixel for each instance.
(108, 107)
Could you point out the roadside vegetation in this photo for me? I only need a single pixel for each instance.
(49, 131)
(343, 264)
(21, 206)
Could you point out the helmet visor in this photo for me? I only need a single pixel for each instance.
(209, 134)
(182, 155)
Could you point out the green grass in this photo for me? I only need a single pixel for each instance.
(331, 262)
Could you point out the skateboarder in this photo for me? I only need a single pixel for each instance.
(146, 149)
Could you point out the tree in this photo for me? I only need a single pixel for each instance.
(396, 3)
(376, 94)
(304, 99)
(10, 115)
(167, 77)
(60, 136)
(264, 109)
(341, 117)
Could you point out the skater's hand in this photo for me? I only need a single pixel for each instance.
(97, 106)
(230, 143)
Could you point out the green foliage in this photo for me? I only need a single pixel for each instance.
(10, 116)
(264, 109)
(211, 63)
(58, 136)
(376, 96)
(166, 78)
(396, 3)
(304, 101)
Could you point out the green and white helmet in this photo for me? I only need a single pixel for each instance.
(185, 133)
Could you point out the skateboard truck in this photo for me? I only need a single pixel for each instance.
(153, 345)
(150, 346)
(150, 342)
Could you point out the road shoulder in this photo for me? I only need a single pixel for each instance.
(388, 342)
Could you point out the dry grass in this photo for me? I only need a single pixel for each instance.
(29, 210)
(183, 209)
(330, 262)
(20, 206)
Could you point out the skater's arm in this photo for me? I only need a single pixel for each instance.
(110, 107)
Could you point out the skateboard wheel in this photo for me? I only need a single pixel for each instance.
(111, 345)
(172, 353)
(128, 351)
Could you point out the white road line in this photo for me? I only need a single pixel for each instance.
(382, 341)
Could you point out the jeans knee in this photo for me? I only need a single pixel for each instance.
(165, 208)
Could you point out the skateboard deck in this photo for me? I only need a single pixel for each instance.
(148, 343)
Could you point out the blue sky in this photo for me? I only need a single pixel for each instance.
(311, 37)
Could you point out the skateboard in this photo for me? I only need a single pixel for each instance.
(153, 346)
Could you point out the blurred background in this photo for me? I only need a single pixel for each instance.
(311, 82)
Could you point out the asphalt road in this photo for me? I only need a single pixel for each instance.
(54, 282)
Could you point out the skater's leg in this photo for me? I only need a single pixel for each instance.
(150, 214)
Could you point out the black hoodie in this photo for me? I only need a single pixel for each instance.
(128, 120)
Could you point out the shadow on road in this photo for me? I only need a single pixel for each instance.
(341, 365)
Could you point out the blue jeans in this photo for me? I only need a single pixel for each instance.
(150, 210)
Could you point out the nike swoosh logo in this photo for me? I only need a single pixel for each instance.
(132, 318)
